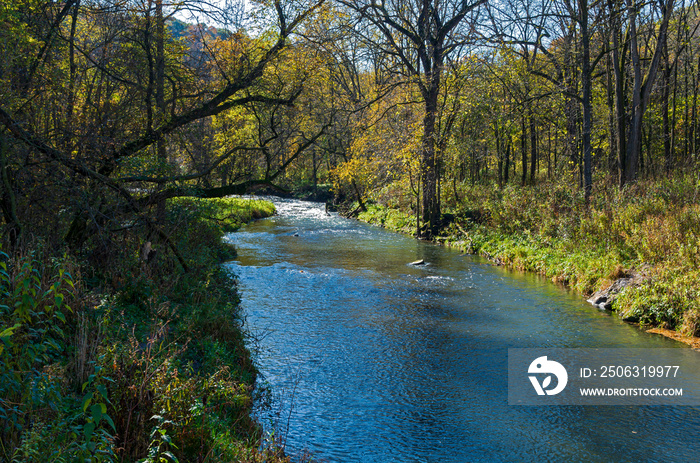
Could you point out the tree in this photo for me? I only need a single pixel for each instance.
(126, 97)
(631, 119)
(418, 40)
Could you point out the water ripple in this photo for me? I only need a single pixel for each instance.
(373, 360)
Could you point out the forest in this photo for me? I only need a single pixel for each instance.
(553, 136)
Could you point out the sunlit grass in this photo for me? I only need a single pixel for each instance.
(548, 229)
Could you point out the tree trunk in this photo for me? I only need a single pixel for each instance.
(673, 111)
(73, 69)
(641, 92)
(429, 180)
(523, 148)
(8, 199)
(506, 168)
(533, 148)
(612, 132)
(160, 95)
(618, 58)
(499, 153)
(587, 103)
(634, 134)
(668, 161)
(432, 59)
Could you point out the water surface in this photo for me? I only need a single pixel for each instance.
(374, 360)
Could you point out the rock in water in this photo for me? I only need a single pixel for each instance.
(605, 299)
(601, 302)
(418, 262)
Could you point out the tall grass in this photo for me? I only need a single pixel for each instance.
(652, 227)
(134, 361)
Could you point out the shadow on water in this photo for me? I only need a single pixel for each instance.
(389, 362)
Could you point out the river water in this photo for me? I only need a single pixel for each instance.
(373, 360)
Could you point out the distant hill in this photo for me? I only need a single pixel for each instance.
(181, 29)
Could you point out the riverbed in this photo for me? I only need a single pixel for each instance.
(371, 359)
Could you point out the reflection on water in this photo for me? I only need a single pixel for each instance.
(374, 360)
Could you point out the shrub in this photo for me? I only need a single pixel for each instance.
(41, 419)
(150, 365)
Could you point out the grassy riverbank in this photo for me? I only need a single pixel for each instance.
(135, 359)
(651, 229)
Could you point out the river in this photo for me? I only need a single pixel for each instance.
(374, 360)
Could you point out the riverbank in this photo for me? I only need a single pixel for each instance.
(344, 321)
(650, 231)
(143, 359)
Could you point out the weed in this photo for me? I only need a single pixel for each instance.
(548, 229)
(146, 362)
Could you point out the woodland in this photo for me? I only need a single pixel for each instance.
(556, 136)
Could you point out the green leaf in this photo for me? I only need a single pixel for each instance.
(8, 332)
(53, 344)
(88, 429)
(87, 400)
(170, 456)
(102, 390)
(96, 411)
(110, 422)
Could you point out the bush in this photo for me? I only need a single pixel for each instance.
(198, 225)
(42, 419)
(150, 365)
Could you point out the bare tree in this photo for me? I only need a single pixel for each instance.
(419, 38)
(631, 119)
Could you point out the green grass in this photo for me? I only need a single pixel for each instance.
(228, 213)
(146, 363)
(202, 222)
(548, 229)
(392, 219)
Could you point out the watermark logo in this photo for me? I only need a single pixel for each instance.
(603, 376)
(549, 368)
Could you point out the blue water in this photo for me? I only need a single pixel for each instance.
(373, 360)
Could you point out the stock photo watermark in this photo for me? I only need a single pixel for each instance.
(614, 376)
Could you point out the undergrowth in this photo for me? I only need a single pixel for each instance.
(138, 360)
